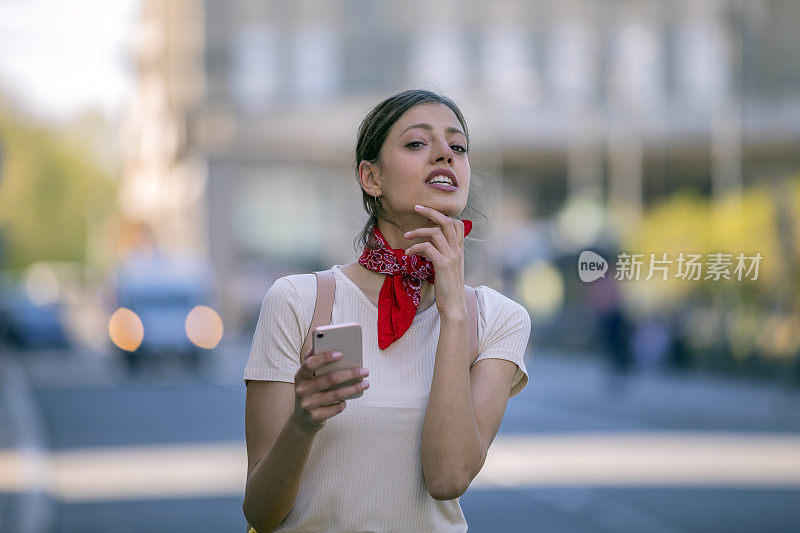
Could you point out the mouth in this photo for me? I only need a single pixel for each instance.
(442, 178)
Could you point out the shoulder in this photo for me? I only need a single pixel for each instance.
(499, 315)
(296, 292)
(491, 302)
(301, 283)
(292, 285)
(504, 325)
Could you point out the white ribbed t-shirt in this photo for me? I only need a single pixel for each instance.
(364, 472)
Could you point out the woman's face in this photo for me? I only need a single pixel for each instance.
(425, 138)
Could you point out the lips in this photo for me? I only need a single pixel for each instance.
(443, 172)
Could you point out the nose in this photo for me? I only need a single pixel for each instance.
(443, 152)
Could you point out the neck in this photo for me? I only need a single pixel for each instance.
(395, 239)
(394, 235)
(375, 281)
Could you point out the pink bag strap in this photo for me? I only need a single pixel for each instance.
(323, 310)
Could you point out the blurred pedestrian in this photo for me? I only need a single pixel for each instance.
(614, 330)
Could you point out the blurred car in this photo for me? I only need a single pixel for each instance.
(28, 326)
(162, 292)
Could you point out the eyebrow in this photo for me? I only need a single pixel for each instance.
(426, 126)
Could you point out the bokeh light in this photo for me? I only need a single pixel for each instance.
(204, 327)
(41, 284)
(579, 224)
(125, 329)
(541, 289)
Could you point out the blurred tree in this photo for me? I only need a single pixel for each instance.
(689, 223)
(51, 188)
(751, 320)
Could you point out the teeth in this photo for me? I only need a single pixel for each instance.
(441, 179)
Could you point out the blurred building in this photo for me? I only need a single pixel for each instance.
(242, 131)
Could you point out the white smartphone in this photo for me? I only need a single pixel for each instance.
(345, 338)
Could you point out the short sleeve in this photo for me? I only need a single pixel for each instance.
(505, 334)
(279, 336)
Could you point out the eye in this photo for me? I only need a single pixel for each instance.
(456, 147)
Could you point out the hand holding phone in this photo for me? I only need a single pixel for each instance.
(345, 338)
(325, 380)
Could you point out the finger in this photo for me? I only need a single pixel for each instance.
(428, 250)
(321, 414)
(313, 362)
(435, 234)
(446, 223)
(325, 398)
(461, 229)
(326, 381)
(333, 379)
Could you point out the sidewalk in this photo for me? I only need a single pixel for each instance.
(667, 400)
(25, 504)
(567, 395)
(570, 409)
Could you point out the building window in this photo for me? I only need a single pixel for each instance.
(703, 62)
(317, 64)
(279, 213)
(508, 65)
(255, 73)
(637, 66)
(571, 67)
(438, 57)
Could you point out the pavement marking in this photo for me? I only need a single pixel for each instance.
(15, 472)
(638, 458)
(26, 468)
(625, 459)
(184, 470)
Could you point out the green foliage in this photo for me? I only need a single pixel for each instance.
(689, 223)
(51, 189)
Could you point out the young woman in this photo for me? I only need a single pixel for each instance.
(398, 457)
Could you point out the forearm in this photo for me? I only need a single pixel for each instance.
(451, 441)
(272, 486)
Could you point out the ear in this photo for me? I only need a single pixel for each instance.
(366, 177)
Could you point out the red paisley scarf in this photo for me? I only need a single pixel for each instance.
(400, 295)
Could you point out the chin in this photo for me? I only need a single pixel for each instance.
(451, 208)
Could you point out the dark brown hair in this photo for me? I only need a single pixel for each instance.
(371, 135)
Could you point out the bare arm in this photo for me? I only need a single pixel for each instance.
(277, 450)
(281, 421)
(464, 412)
(464, 407)
(451, 442)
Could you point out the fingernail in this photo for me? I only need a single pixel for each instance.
(406, 234)
(417, 206)
(363, 372)
(337, 354)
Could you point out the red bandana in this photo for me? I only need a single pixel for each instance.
(400, 294)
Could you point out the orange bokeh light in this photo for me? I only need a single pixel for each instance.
(204, 327)
(125, 329)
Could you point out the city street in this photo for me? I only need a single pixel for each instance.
(625, 174)
(165, 451)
